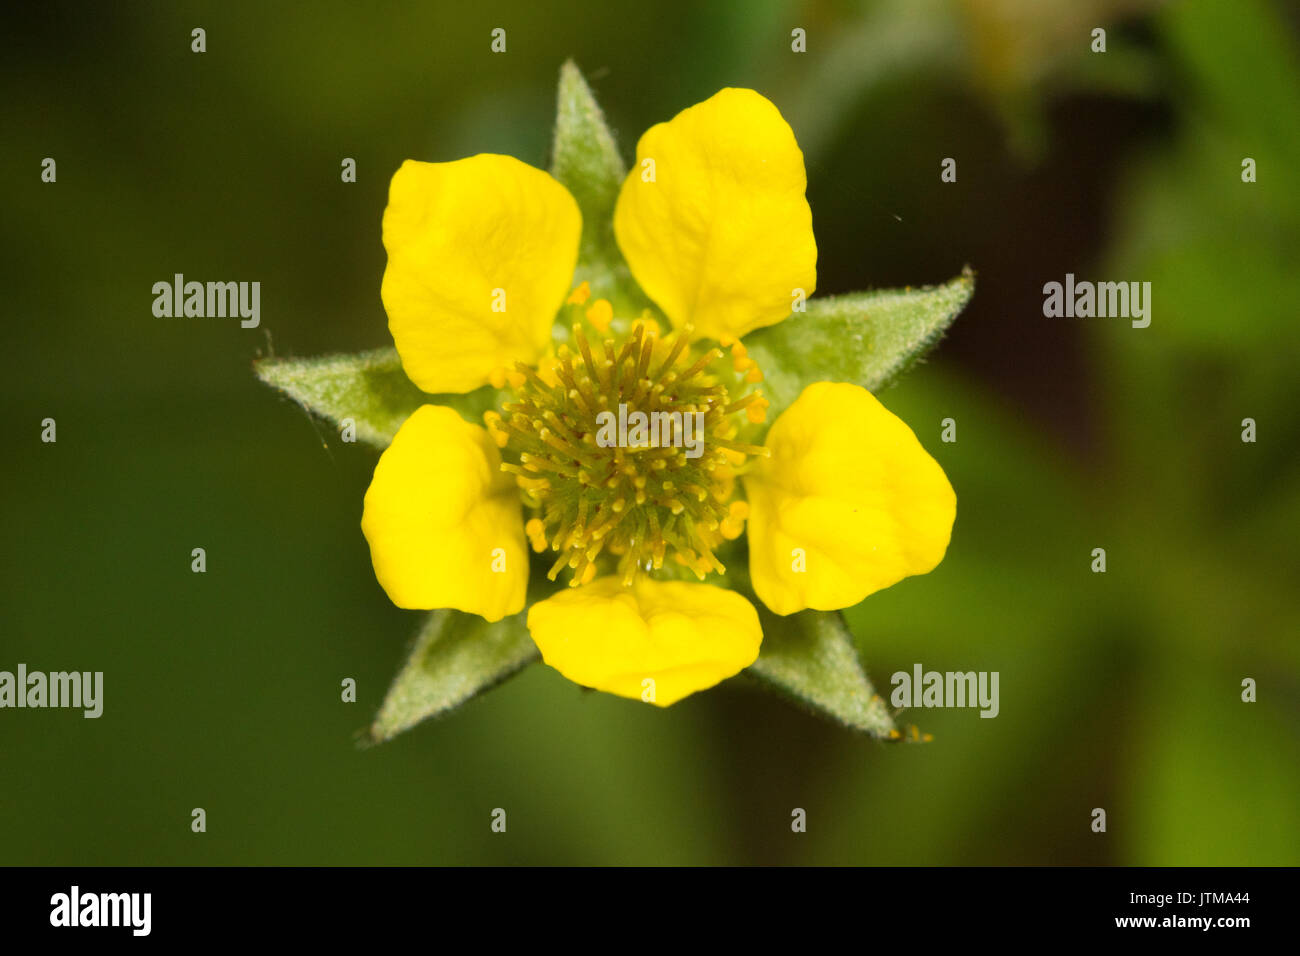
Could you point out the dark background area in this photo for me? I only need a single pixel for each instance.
(1120, 691)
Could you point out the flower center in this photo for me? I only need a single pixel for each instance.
(627, 452)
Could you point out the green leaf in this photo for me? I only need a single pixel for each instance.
(866, 338)
(585, 159)
(370, 388)
(810, 656)
(456, 656)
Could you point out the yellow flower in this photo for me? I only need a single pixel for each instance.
(653, 640)
(721, 235)
(848, 503)
(715, 227)
(440, 507)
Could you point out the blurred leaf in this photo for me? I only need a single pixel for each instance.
(1205, 762)
(810, 656)
(867, 338)
(1221, 253)
(1026, 54)
(587, 162)
(370, 388)
(1214, 40)
(870, 45)
(456, 657)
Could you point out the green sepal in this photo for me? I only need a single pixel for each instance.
(585, 159)
(810, 656)
(370, 388)
(455, 657)
(864, 338)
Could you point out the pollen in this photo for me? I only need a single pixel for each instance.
(600, 314)
(580, 294)
(536, 532)
(609, 493)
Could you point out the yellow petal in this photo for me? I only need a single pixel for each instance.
(656, 641)
(481, 254)
(723, 234)
(850, 496)
(444, 522)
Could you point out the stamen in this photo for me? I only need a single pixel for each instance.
(624, 505)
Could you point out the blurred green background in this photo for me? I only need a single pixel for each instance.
(1119, 691)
